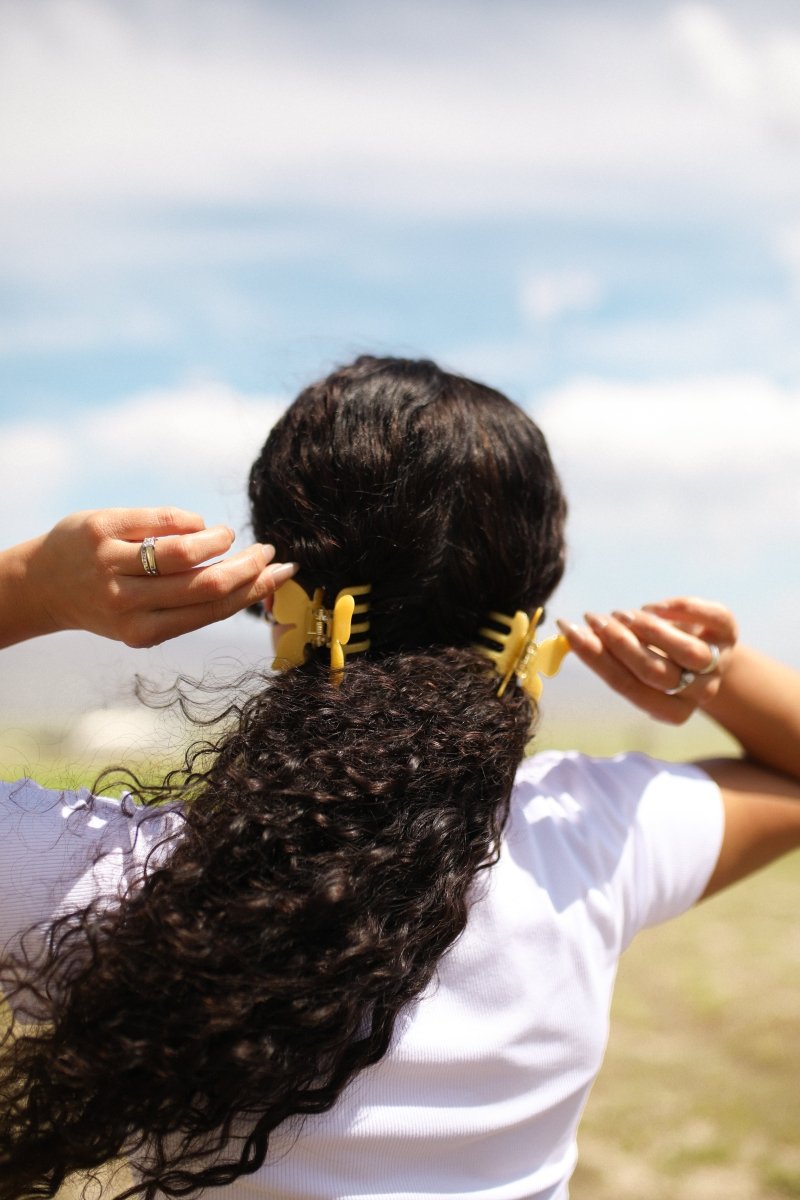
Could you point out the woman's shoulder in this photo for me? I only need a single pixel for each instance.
(61, 849)
(571, 773)
(31, 809)
(642, 829)
(651, 806)
(54, 840)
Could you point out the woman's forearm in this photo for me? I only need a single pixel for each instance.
(22, 616)
(759, 704)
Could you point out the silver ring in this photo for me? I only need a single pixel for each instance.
(714, 663)
(686, 678)
(147, 553)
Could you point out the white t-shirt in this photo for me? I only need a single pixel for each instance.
(482, 1089)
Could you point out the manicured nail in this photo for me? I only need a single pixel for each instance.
(625, 617)
(594, 622)
(269, 551)
(232, 532)
(283, 571)
(569, 630)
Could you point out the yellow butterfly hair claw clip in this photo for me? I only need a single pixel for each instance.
(292, 606)
(312, 624)
(511, 644)
(340, 629)
(515, 652)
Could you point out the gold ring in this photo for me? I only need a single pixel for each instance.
(147, 553)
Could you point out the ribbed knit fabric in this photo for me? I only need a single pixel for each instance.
(482, 1090)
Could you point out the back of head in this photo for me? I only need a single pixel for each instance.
(437, 491)
(331, 840)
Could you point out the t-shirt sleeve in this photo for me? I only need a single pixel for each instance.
(673, 822)
(640, 837)
(59, 850)
(675, 841)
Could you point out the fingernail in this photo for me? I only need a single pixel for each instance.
(282, 572)
(595, 622)
(232, 532)
(269, 551)
(568, 629)
(625, 617)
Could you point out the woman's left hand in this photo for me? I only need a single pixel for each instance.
(89, 573)
(668, 658)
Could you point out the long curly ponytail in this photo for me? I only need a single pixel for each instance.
(328, 852)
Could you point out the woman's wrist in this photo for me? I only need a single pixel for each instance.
(758, 702)
(23, 611)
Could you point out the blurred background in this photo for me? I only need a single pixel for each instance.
(204, 205)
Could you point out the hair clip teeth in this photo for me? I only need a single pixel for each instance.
(518, 655)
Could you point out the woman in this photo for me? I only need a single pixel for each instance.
(366, 950)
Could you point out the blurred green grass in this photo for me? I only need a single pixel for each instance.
(43, 756)
(698, 1096)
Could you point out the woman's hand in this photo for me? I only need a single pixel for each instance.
(88, 573)
(668, 659)
(649, 652)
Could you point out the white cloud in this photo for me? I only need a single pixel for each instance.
(683, 487)
(724, 60)
(30, 452)
(191, 446)
(472, 107)
(710, 462)
(783, 73)
(755, 70)
(205, 430)
(34, 470)
(547, 296)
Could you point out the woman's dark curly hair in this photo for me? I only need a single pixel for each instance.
(328, 848)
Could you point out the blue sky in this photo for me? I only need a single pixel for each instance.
(203, 205)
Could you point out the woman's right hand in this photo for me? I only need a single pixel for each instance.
(668, 659)
(87, 573)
